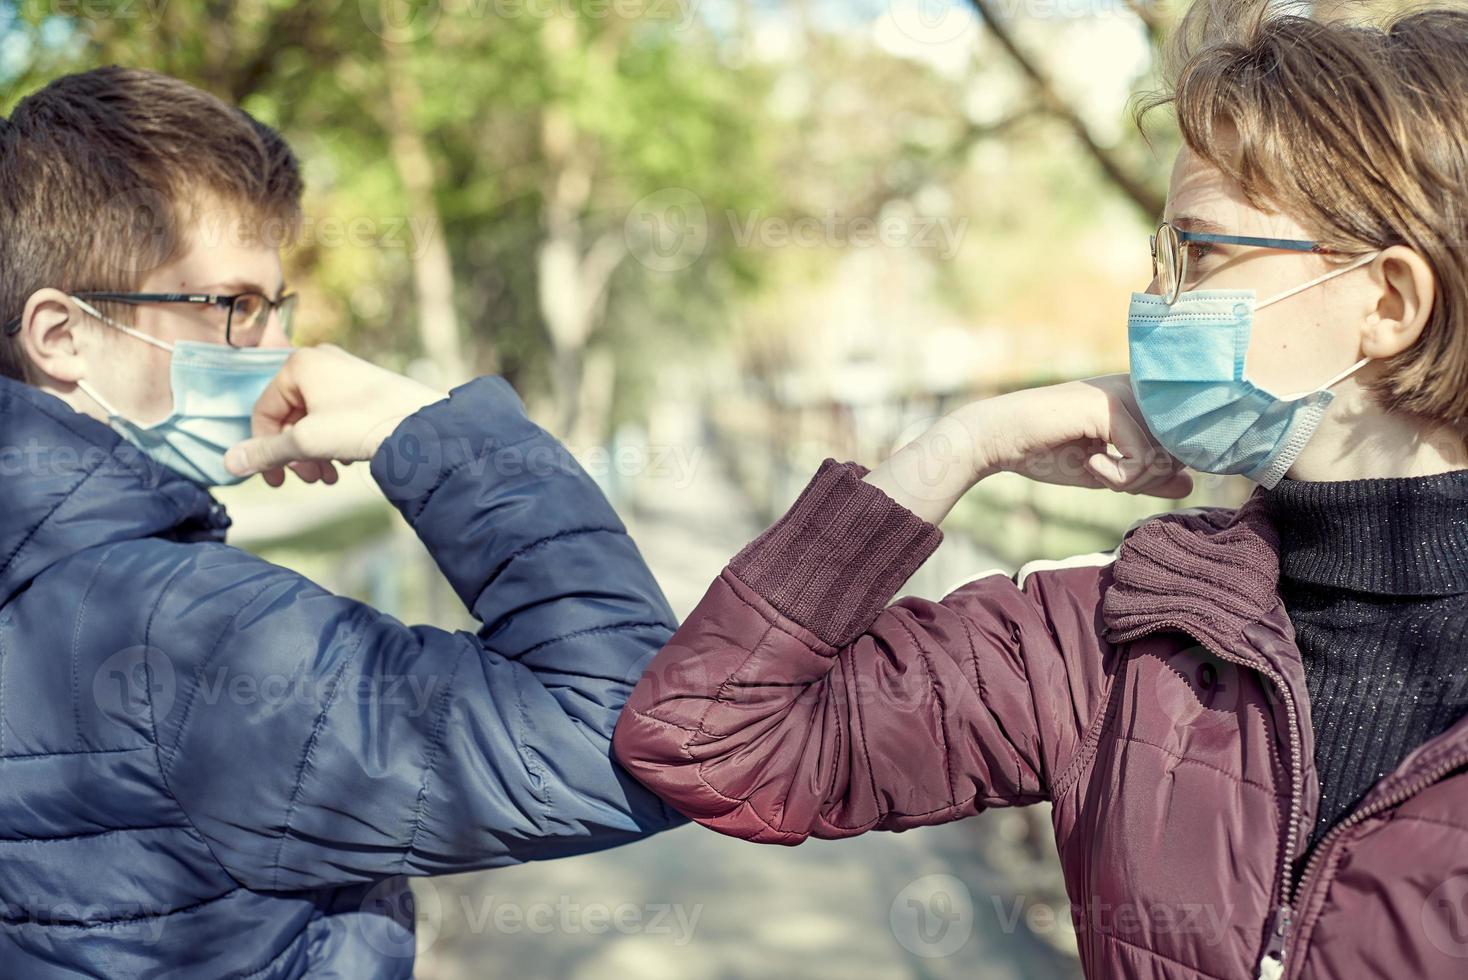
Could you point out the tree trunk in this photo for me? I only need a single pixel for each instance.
(571, 278)
(433, 270)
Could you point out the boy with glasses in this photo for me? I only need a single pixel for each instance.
(212, 766)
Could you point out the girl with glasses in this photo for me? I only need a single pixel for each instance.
(1249, 722)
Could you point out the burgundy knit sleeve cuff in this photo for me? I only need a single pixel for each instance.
(839, 554)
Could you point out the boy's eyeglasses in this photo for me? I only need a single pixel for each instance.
(1170, 253)
(247, 314)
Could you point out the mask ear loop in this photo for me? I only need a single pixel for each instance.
(1317, 280)
(92, 311)
(1301, 288)
(1332, 382)
(91, 393)
(87, 389)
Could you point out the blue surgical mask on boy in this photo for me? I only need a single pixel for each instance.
(1187, 372)
(215, 388)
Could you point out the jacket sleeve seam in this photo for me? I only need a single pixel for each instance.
(157, 746)
(444, 477)
(858, 733)
(311, 742)
(539, 785)
(634, 712)
(435, 747)
(589, 631)
(432, 491)
(724, 686)
(76, 634)
(205, 664)
(1019, 768)
(1092, 738)
(942, 713)
(524, 550)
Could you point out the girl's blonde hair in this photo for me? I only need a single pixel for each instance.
(1357, 129)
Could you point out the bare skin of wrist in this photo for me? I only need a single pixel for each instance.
(1086, 433)
(931, 473)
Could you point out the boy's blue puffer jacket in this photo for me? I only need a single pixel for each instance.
(212, 767)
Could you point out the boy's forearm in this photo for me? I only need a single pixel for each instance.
(524, 535)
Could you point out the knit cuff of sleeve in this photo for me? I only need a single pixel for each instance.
(837, 556)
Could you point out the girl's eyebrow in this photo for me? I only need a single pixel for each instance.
(1191, 222)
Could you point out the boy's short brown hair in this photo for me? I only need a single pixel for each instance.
(1357, 130)
(103, 174)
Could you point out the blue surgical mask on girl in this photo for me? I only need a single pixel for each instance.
(1187, 372)
(215, 388)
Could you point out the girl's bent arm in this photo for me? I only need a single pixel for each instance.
(795, 702)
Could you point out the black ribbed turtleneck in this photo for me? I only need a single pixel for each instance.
(1374, 575)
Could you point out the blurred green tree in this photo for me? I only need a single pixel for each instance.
(490, 173)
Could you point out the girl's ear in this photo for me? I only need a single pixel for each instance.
(1407, 289)
(49, 337)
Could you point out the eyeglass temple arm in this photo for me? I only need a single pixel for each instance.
(1293, 244)
(12, 326)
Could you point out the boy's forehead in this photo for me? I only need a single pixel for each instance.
(220, 263)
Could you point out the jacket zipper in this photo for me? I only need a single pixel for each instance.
(1271, 962)
(1456, 761)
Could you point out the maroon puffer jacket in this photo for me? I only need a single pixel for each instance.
(1155, 696)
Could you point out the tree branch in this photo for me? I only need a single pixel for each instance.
(1140, 191)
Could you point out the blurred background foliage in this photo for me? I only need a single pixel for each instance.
(484, 174)
(812, 223)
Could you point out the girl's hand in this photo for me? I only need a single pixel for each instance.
(1057, 434)
(324, 407)
(1060, 434)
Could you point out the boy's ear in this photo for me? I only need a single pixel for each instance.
(49, 336)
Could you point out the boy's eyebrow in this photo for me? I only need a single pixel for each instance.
(242, 286)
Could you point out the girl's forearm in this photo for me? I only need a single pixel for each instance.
(930, 474)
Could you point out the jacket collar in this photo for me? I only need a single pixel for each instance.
(1214, 573)
(71, 483)
(1211, 572)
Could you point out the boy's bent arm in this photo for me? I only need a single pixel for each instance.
(794, 702)
(358, 747)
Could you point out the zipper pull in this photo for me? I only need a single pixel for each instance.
(1271, 964)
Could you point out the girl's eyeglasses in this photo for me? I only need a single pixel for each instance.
(247, 313)
(1170, 253)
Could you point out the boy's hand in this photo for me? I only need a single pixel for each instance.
(1056, 434)
(324, 407)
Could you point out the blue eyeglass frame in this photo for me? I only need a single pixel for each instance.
(1182, 237)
